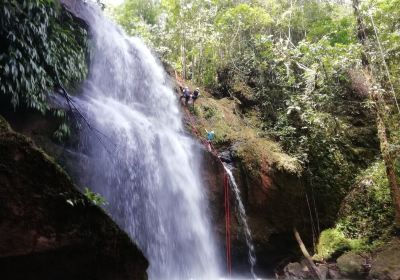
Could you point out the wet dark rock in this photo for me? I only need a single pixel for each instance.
(48, 229)
(272, 202)
(78, 8)
(225, 156)
(40, 128)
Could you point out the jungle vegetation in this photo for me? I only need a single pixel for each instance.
(42, 48)
(323, 76)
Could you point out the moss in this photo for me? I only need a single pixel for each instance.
(256, 152)
(332, 242)
(365, 217)
(4, 126)
(243, 133)
(367, 211)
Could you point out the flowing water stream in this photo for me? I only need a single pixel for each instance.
(242, 218)
(142, 161)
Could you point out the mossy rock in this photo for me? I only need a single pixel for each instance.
(352, 265)
(386, 262)
(332, 243)
(243, 133)
(367, 211)
(48, 229)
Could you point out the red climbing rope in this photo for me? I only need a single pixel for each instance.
(227, 225)
(210, 147)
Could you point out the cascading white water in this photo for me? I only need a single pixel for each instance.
(143, 163)
(242, 218)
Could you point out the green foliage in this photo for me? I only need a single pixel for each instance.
(209, 112)
(310, 109)
(139, 18)
(194, 110)
(240, 25)
(297, 63)
(332, 242)
(95, 198)
(367, 212)
(63, 132)
(39, 40)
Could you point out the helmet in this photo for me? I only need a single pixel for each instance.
(197, 88)
(186, 87)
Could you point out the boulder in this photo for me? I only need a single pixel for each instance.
(296, 271)
(352, 265)
(48, 229)
(386, 262)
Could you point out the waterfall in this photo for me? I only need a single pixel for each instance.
(242, 219)
(142, 162)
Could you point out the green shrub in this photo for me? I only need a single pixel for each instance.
(209, 112)
(332, 243)
(95, 198)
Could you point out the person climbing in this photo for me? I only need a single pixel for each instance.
(185, 94)
(210, 137)
(195, 95)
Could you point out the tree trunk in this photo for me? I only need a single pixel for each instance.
(303, 249)
(290, 24)
(377, 97)
(361, 35)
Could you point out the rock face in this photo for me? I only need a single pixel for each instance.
(77, 8)
(386, 262)
(272, 202)
(274, 205)
(48, 229)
